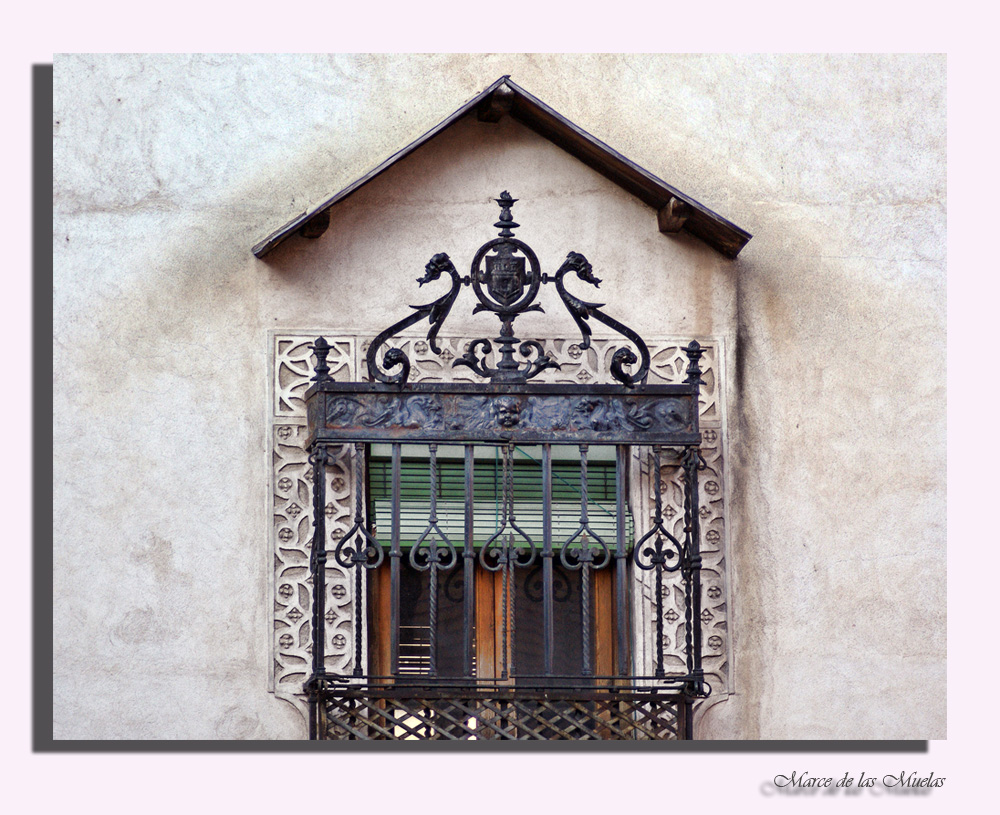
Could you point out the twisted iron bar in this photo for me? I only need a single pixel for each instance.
(689, 622)
(501, 553)
(693, 461)
(318, 459)
(436, 558)
(692, 568)
(506, 548)
(585, 559)
(665, 548)
(509, 570)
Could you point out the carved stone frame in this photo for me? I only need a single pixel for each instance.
(290, 497)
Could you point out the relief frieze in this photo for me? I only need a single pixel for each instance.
(657, 415)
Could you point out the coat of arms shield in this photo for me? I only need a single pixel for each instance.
(505, 277)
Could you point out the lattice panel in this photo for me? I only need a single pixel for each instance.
(366, 715)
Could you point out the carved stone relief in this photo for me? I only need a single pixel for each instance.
(291, 513)
(292, 497)
(668, 365)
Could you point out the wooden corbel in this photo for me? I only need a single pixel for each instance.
(671, 218)
(316, 225)
(497, 105)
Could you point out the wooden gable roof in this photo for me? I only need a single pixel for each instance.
(675, 211)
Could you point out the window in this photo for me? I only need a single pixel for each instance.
(291, 532)
(486, 634)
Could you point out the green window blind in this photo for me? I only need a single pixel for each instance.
(415, 489)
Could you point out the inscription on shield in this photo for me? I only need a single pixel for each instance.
(505, 277)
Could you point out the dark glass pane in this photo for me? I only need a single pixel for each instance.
(567, 656)
(414, 619)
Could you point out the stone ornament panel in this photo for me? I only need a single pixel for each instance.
(291, 514)
(291, 501)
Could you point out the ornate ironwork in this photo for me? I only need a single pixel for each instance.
(378, 713)
(396, 700)
(531, 413)
(506, 277)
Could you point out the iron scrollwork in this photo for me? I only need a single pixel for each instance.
(435, 312)
(503, 552)
(506, 277)
(581, 311)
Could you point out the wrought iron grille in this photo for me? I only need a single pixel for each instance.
(512, 623)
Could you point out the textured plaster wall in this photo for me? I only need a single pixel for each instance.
(168, 169)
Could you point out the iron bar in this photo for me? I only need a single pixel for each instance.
(604, 683)
(586, 537)
(505, 565)
(433, 563)
(317, 560)
(621, 556)
(692, 551)
(512, 561)
(657, 492)
(440, 556)
(469, 562)
(548, 608)
(692, 570)
(504, 586)
(585, 564)
(360, 555)
(395, 553)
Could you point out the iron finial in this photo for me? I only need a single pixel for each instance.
(506, 222)
(322, 349)
(694, 352)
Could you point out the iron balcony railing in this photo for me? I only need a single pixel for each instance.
(418, 555)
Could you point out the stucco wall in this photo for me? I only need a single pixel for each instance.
(168, 169)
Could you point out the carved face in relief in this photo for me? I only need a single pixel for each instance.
(669, 413)
(595, 413)
(507, 411)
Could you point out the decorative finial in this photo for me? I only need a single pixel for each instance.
(694, 352)
(506, 222)
(322, 349)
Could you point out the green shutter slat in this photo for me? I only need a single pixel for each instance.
(527, 493)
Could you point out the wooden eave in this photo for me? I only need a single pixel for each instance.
(675, 211)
